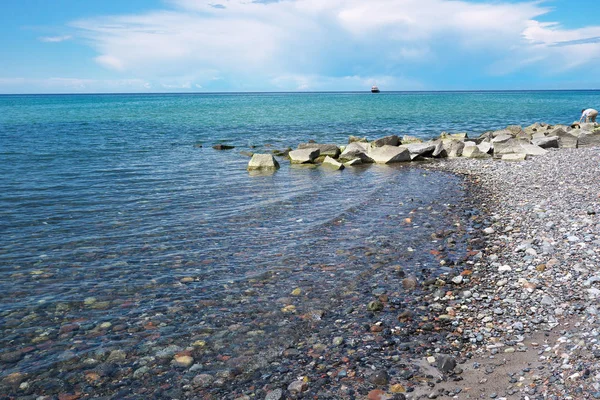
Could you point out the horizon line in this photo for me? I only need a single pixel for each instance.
(305, 92)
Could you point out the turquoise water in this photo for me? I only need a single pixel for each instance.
(108, 201)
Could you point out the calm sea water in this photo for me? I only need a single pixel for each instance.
(107, 202)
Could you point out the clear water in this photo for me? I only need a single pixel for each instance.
(110, 197)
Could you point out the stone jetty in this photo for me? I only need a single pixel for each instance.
(514, 143)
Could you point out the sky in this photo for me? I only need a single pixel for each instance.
(126, 46)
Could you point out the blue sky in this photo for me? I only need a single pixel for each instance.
(91, 46)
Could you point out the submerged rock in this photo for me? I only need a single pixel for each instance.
(332, 164)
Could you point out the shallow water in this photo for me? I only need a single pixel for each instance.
(117, 232)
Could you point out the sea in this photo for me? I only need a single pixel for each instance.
(122, 229)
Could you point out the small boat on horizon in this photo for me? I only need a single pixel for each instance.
(374, 89)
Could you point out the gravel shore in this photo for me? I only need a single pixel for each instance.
(527, 319)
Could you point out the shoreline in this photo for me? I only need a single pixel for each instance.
(538, 271)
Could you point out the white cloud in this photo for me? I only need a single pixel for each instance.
(295, 43)
(55, 39)
(72, 85)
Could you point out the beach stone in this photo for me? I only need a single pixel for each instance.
(263, 162)
(303, 156)
(203, 380)
(392, 140)
(389, 154)
(379, 378)
(375, 305)
(276, 394)
(409, 283)
(298, 386)
(333, 164)
(445, 363)
(330, 150)
(183, 361)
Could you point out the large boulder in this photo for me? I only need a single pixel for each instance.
(485, 147)
(263, 162)
(507, 145)
(588, 126)
(354, 162)
(392, 140)
(356, 150)
(304, 156)
(546, 142)
(389, 154)
(453, 148)
(472, 151)
(591, 139)
(420, 149)
(330, 150)
(332, 164)
(502, 132)
(538, 127)
(533, 150)
(565, 139)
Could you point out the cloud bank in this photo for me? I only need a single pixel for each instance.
(333, 44)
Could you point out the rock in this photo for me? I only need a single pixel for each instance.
(485, 147)
(379, 378)
(332, 164)
(502, 133)
(514, 157)
(472, 151)
(546, 142)
(589, 140)
(409, 283)
(183, 361)
(296, 292)
(439, 150)
(453, 148)
(445, 363)
(298, 386)
(246, 153)
(421, 149)
(392, 140)
(533, 150)
(202, 380)
(457, 280)
(565, 140)
(304, 156)
(515, 129)
(407, 139)
(588, 126)
(353, 162)
(353, 139)
(461, 136)
(356, 150)
(263, 162)
(375, 305)
(330, 150)
(223, 147)
(389, 154)
(281, 153)
(338, 341)
(276, 394)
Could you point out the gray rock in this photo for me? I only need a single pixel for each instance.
(330, 150)
(565, 139)
(353, 162)
(589, 140)
(472, 151)
(546, 142)
(392, 140)
(454, 148)
(445, 363)
(332, 164)
(304, 156)
(421, 149)
(389, 154)
(485, 147)
(353, 139)
(356, 150)
(263, 162)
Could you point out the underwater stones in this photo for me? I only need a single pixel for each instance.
(223, 147)
(263, 162)
(375, 305)
(183, 361)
